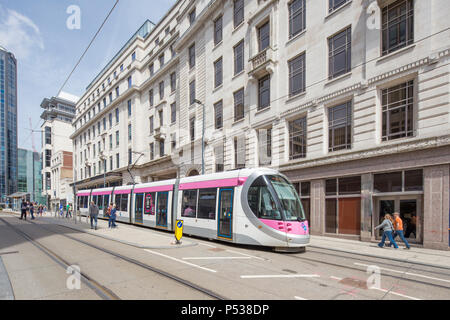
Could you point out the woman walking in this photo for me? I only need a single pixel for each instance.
(112, 217)
(388, 228)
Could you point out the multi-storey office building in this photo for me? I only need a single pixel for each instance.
(350, 99)
(29, 175)
(57, 164)
(8, 124)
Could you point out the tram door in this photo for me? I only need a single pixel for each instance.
(139, 206)
(224, 229)
(161, 209)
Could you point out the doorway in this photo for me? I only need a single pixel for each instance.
(224, 229)
(410, 209)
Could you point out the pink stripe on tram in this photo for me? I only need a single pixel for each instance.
(127, 191)
(213, 183)
(83, 194)
(154, 189)
(101, 193)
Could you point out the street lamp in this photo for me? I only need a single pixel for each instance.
(203, 135)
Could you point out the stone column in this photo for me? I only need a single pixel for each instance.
(317, 199)
(436, 207)
(366, 206)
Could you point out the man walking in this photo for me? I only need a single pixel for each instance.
(32, 210)
(398, 226)
(23, 209)
(93, 214)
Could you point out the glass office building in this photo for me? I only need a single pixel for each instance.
(29, 175)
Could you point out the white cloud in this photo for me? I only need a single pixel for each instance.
(19, 34)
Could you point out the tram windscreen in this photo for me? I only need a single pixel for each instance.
(292, 207)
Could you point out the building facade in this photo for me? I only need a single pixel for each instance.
(57, 162)
(349, 99)
(8, 124)
(29, 175)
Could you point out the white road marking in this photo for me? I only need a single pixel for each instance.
(280, 276)
(335, 278)
(404, 272)
(214, 258)
(208, 245)
(247, 255)
(396, 293)
(181, 261)
(299, 298)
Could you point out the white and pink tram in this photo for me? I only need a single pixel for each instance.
(248, 206)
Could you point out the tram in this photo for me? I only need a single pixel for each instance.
(247, 206)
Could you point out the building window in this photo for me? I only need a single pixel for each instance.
(218, 30)
(297, 139)
(297, 17)
(152, 151)
(110, 99)
(161, 60)
(343, 205)
(151, 125)
(265, 146)
(161, 148)
(398, 25)
(151, 69)
(239, 57)
(130, 156)
(129, 108)
(133, 56)
(264, 36)
(218, 77)
(304, 191)
(340, 53)
(219, 152)
(218, 115)
(192, 92)
(340, 127)
(239, 153)
(111, 163)
(150, 97)
(110, 142)
(117, 138)
(161, 90)
(238, 12)
(192, 16)
(398, 111)
(48, 135)
(161, 118)
(173, 82)
(264, 92)
(117, 160)
(192, 56)
(104, 104)
(173, 112)
(192, 128)
(110, 120)
(239, 104)
(117, 115)
(401, 181)
(129, 82)
(104, 123)
(129, 132)
(117, 92)
(334, 4)
(48, 157)
(297, 75)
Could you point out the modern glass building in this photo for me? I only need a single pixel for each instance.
(8, 124)
(29, 175)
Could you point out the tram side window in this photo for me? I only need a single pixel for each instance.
(149, 203)
(189, 204)
(100, 202)
(261, 201)
(94, 198)
(124, 203)
(207, 204)
(117, 201)
(106, 201)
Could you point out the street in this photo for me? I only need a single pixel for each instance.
(35, 255)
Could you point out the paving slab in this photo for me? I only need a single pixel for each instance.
(6, 291)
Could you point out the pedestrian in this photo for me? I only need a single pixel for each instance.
(93, 214)
(32, 210)
(61, 213)
(398, 230)
(112, 217)
(23, 210)
(69, 210)
(388, 228)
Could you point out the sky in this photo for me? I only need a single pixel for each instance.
(36, 32)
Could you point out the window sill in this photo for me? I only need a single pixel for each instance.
(217, 88)
(239, 26)
(219, 44)
(238, 121)
(258, 112)
(341, 77)
(397, 52)
(338, 10)
(238, 74)
(296, 37)
(297, 96)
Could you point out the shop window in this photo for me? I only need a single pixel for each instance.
(388, 182)
(207, 204)
(189, 203)
(350, 185)
(330, 215)
(304, 190)
(414, 180)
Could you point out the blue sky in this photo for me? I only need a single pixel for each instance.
(46, 50)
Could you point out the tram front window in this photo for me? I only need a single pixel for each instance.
(292, 207)
(261, 201)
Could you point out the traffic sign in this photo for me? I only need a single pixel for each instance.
(179, 230)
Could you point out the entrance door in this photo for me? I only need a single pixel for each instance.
(410, 210)
(161, 209)
(139, 205)
(224, 228)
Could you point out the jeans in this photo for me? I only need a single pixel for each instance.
(391, 239)
(32, 215)
(112, 222)
(23, 214)
(93, 219)
(402, 237)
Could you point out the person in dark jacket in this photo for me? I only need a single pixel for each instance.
(112, 217)
(93, 214)
(23, 209)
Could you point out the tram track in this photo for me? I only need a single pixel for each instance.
(132, 261)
